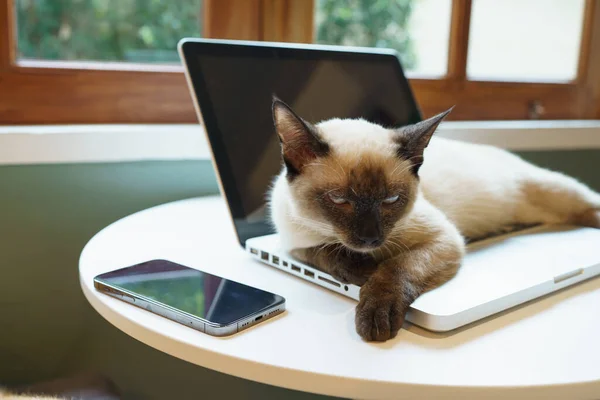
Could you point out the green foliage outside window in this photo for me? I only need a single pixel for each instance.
(148, 30)
(106, 30)
(370, 23)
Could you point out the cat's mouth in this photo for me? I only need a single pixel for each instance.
(364, 246)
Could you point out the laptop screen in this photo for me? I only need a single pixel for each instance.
(234, 85)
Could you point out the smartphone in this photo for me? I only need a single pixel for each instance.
(202, 301)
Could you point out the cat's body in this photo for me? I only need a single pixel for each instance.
(483, 189)
(396, 225)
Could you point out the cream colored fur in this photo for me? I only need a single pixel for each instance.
(480, 189)
(11, 396)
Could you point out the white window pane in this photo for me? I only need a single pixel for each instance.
(418, 29)
(533, 40)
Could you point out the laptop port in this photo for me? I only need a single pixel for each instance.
(308, 273)
(296, 268)
(264, 255)
(254, 251)
(285, 263)
(275, 260)
(258, 318)
(329, 281)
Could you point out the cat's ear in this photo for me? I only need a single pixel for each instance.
(413, 139)
(300, 140)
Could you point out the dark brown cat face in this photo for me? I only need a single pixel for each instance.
(355, 179)
(365, 204)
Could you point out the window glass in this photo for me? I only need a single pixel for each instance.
(418, 29)
(525, 40)
(105, 30)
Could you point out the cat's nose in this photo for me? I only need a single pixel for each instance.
(370, 240)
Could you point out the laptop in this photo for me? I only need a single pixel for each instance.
(232, 84)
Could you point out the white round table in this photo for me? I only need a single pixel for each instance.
(546, 349)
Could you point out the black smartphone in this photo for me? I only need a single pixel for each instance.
(197, 299)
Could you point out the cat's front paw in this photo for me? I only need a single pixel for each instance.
(354, 274)
(380, 312)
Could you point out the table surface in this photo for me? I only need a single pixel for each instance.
(548, 348)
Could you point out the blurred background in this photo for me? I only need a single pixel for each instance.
(511, 39)
(510, 59)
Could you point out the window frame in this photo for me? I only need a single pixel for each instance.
(49, 92)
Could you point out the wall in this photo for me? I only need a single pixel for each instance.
(47, 329)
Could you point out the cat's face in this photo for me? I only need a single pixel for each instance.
(352, 180)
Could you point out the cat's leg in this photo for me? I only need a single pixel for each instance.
(343, 264)
(552, 197)
(398, 281)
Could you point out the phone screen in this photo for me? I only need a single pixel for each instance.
(195, 292)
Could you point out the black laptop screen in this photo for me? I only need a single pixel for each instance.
(234, 86)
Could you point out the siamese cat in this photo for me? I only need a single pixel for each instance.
(390, 209)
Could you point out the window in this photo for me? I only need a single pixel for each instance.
(542, 43)
(509, 59)
(114, 61)
(418, 30)
(105, 30)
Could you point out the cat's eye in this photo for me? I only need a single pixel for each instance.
(391, 200)
(337, 199)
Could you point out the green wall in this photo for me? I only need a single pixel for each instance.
(47, 329)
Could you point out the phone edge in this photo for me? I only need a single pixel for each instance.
(186, 319)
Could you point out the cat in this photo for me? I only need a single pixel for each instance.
(390, 209)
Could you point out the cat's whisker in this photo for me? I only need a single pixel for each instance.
(321, 248)
(399, 242)
(407, 167)
(397, 167)
(315, 225)
(340, 165)
(331, 251)
(395, 248)
(388, 244)
(311, 222)
(332, 190)
(402, 165)
(313, 229)
(388, 250)
(339, 250)
(412, 230)
(307, 224)
(300, 218)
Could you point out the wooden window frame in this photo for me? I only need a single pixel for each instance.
(44, 92)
